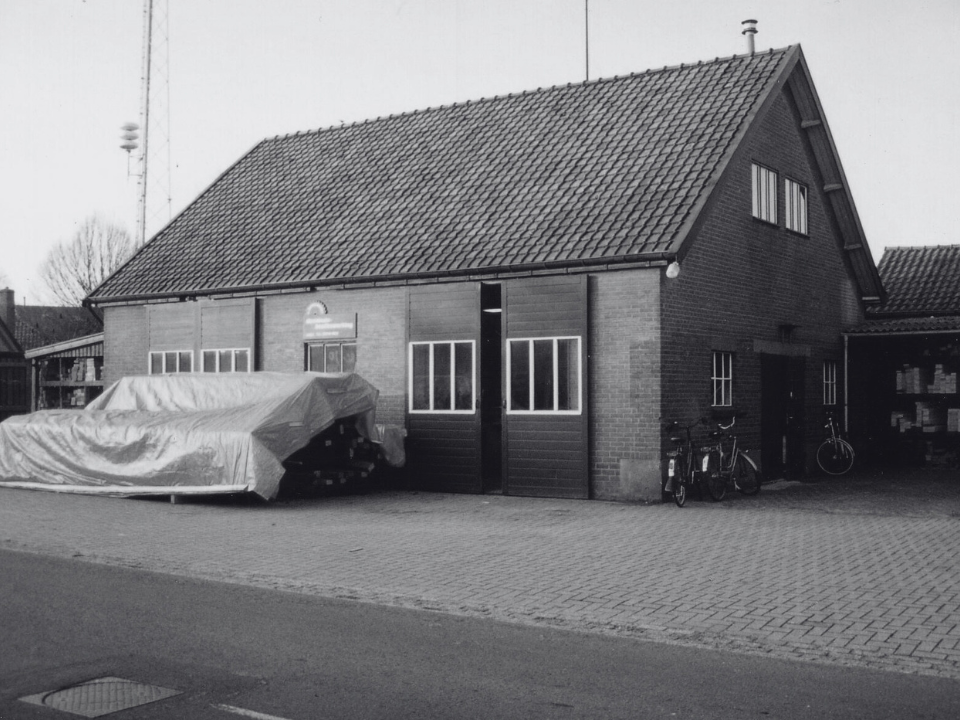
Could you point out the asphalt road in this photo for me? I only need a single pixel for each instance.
(235, 651)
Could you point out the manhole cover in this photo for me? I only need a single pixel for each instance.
(103, 696)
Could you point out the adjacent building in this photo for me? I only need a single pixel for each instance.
(533, 281)
(904, 360)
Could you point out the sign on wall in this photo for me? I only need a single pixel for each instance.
(318, 325)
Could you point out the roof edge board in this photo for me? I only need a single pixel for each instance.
(802, 83)
(643, 261)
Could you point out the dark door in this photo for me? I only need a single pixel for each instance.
(782, 420)
(545, 381)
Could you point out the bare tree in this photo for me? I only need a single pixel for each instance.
(72, 269)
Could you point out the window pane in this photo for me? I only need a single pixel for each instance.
(156, 363)
(315, 358)
(463, 354)
(568, 377)
(442, 371)
(226, 361)
(186, 362)
(519, 375)
(543, 375)
(421, 377)
(242, 360)
(170, 362)
(349, 357)
(209, 360)
(332, 353)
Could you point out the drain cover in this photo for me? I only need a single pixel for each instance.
(103, 696)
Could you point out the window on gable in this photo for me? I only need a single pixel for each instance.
(829, 382)
(796, 201)
(764, 193)
(722, 379)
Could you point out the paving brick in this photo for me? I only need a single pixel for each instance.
(838, 571)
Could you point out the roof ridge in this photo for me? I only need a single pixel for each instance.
(521, 93)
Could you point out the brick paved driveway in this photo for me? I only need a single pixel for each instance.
(862, 571)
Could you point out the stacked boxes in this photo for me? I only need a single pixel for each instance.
(953, 420)
(920, 381)
(931, 417)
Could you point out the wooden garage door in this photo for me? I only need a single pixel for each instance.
(545, 438)
(443, 439)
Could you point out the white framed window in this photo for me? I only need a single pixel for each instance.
(331, 357)
(722, 379)
(168, 362)
(442, 376)
(829, 382)
(225, 360)
(764, 183)
(545, 375)
(796, 202)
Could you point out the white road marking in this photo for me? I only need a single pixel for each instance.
(247, 713)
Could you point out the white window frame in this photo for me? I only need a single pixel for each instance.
(722, 378)
(432, 410)
(829, 382)
(233, 359)
(556, 384)
(308, 346)
(795, 195)
(163, 362)
(764, 192)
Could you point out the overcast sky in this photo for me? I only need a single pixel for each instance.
(887, 72)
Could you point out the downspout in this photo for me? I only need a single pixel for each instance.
(846, 384)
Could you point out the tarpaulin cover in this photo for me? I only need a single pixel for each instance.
(181, 434)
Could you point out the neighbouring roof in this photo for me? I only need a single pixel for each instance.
(921, 280)
(39, 325)
(600, 172)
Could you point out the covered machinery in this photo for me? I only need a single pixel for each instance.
(183, 434)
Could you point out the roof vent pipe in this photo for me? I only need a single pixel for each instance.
(750, 30)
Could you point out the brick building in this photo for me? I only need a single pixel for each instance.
(505, 272)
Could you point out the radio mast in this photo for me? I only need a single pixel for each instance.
(153, 165)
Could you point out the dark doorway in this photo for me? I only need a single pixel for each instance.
(781, 415)
(491, 387)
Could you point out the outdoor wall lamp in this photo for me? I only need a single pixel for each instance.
(673, 270)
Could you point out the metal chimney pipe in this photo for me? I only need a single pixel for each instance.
(750, 30)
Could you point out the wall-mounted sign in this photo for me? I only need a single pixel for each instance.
(320, 326)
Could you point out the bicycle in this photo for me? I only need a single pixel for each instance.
(835, 455)
(682, 466)
(725, 465)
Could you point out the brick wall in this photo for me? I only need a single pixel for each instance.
(381, 338)
(743, 278)
(124, 342)
(624, 347)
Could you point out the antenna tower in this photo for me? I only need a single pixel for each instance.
(154, 205)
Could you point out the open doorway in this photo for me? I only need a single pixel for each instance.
(781, 415)
(491, 387)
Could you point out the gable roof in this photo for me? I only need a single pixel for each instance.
(593, 173)
(39, 325)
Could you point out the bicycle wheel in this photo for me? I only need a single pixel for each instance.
(835, 456)
(745, 477)
(714, 478)
(680, 480)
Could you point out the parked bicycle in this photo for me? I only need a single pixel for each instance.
(683, 468)
(835, 455)
(724, 463)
